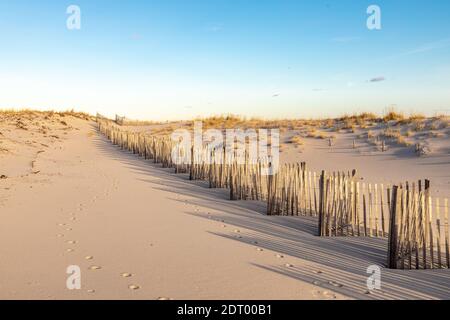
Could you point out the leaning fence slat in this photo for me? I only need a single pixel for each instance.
(447, 253)
(438, 235)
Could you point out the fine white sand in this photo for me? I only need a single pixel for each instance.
(141, 232)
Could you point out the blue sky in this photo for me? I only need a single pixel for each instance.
(177, 59)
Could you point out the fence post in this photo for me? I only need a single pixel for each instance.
(392, 247)
(269, 193)
(322, 204)
(191, 167)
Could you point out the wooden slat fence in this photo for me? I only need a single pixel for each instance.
(419, 237)
(349, 207)
(415, 223)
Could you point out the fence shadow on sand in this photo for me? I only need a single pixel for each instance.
(338, 263)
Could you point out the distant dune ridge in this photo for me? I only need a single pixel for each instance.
(69, 197)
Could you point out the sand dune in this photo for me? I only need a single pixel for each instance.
(69, 197)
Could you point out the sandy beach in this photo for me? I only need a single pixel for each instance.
(138, 231)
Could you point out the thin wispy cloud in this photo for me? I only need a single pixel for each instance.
(430, 47)
(377, 79)
(427, 47)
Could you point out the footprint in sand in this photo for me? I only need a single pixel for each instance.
(126, 275)
(288, 265)
(279, 256)
(95, 268)
(335, 284)
(62, 224)
(71, 241)
(73, 219)
(163, 298)
(323, 294)
(133, 287)
(89, 257)
(91, 291)
(259, 249)
(60, 236)
(318, 271)
(70, 250)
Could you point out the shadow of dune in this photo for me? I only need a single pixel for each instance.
(337, 264)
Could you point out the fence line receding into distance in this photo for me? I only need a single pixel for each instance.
(415, 224)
